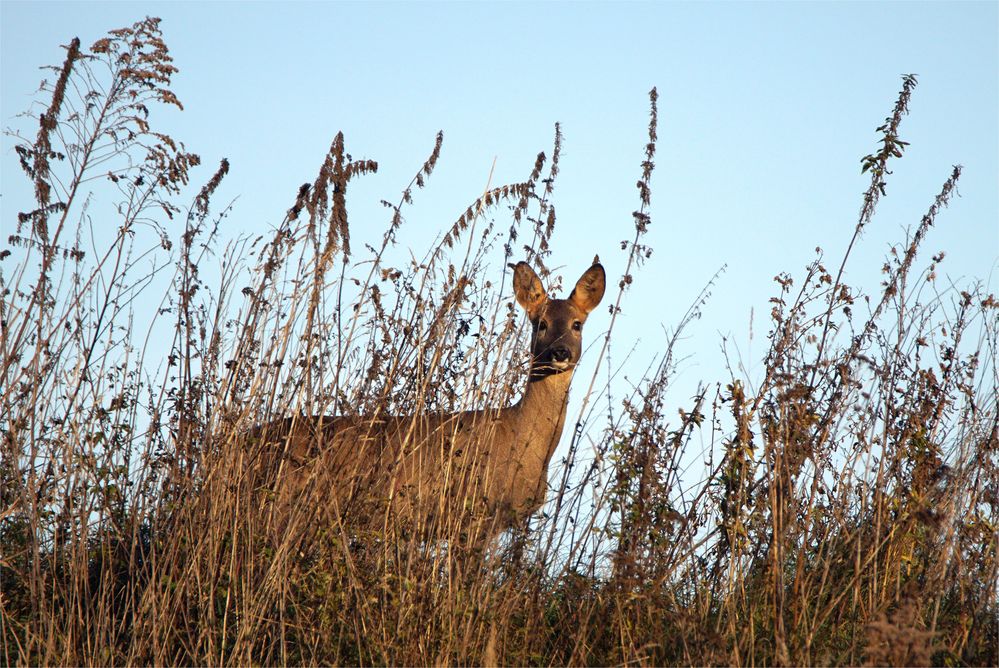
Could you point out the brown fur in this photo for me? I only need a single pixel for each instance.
(491, 463)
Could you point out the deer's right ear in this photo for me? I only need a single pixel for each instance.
(527, 287)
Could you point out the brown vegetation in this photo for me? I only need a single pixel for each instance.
(847, 513)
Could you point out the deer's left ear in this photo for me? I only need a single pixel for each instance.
(589, 289)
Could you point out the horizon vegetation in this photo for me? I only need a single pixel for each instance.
(844, 512)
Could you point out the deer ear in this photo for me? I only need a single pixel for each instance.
(589, 289)
(527, 287)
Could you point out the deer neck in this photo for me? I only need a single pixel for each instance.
(540, 414)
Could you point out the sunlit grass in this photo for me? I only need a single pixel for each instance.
(846, 512)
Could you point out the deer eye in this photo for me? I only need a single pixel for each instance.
(577, 326)
(542, 326)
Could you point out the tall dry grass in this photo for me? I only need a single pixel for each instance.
(847, 513)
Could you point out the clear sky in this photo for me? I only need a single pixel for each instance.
(765, 112)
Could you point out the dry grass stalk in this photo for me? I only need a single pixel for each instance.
(846, 513)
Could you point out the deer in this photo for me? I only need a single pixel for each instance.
(492, 463)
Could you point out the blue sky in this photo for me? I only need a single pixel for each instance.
(765, 112)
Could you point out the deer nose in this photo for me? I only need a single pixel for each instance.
(561, 354)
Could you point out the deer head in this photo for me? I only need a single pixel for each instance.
(557, 324)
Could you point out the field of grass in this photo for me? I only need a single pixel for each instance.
(846, 513)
